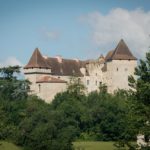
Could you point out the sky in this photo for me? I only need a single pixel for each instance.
(76, 29)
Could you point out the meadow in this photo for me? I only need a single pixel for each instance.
(94, 145)
(8, 146)
(77, 145)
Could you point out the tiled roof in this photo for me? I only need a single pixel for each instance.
(109, 54)
(58, 66)
(49, 79)
(65, 67)
(121, 52)
(37, 61)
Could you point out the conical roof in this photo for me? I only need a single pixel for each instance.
(121, 52)
(36, 61)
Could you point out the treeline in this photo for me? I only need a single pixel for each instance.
(31, 123)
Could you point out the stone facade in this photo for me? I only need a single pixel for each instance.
(50, 76)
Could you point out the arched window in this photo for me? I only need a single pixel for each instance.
(117, 69)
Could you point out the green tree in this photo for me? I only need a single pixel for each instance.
(10, 86)
(139, 104)
(142, 94)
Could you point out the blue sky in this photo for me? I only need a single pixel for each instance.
(71, 28)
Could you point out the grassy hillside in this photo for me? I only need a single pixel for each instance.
(94, 146)
(8, 146)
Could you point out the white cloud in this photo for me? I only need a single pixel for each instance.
(132, 26)
(49, 34)
(54, 35)
(10, 61)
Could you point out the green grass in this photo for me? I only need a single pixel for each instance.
(78, 146)
(8, 146)
(94, 146)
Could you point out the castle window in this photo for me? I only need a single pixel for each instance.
(96, 82)
(100, 83)
(88, 82)
(96, 74)
(126, 69)
(117, 69)
(58, 77)
(79, 80)
(39, 88)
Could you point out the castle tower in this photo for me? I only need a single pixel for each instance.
(36, 67)
(120, 64)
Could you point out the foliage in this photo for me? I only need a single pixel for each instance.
(139, 114)
(73, 115)
(10, 87)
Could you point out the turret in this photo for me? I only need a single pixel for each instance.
(36, 66)
(120, 64)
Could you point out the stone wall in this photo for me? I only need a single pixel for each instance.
(117, 74)
(47, 91)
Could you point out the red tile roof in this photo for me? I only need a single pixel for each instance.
(37, 61)
(68, 67)
(121, 52)
(49, 79)
(65, 67)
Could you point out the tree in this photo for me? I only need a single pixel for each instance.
(76, 87)
(10, 86)
(140, 99)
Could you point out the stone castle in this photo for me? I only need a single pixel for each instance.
(50, 75)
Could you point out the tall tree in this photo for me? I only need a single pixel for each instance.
(10, 86)
(141, 95)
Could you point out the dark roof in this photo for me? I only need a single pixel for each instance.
(108, 56)
(66, 67)
(49, 79)
(121, 52)
(58, 66)
(36, 61)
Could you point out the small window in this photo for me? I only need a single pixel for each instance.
(100, 83)
(39, 88)
(117, 69)
(96, 82)
(96, 74)
(58, 77)
(79, 80)
(88, 82)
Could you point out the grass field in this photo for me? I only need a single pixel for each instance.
(94, 146)
(8, 146)
(78, 146)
